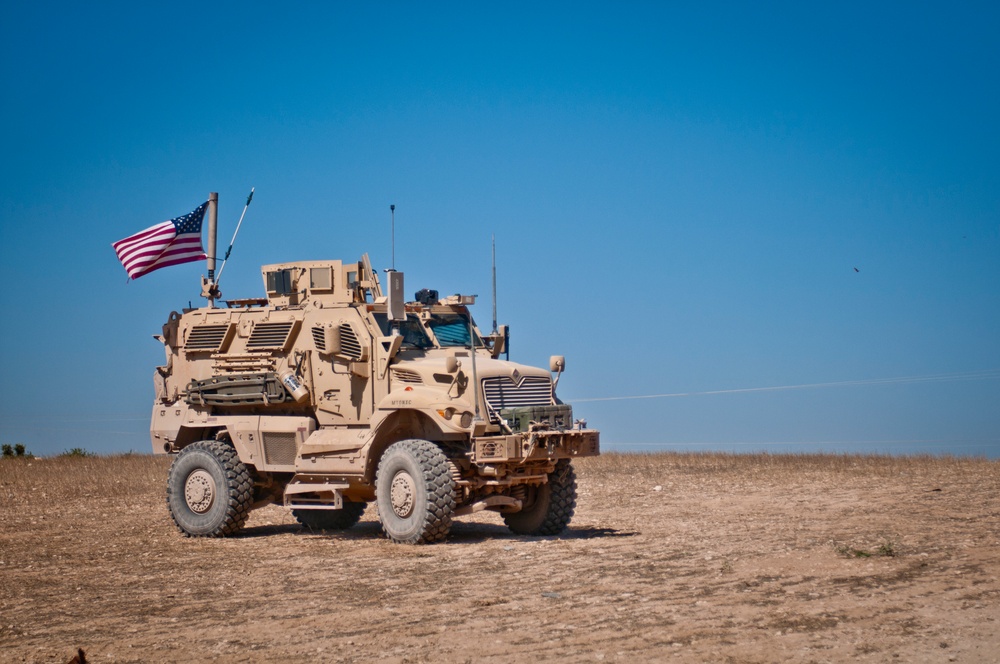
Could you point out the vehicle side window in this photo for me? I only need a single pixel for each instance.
(411, 330)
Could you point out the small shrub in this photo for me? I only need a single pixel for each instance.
(885, 550)
(18, 451)
(76, 452)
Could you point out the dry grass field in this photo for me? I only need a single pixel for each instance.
(679, 557)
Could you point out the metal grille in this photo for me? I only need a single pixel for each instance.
(491, 449)
(270, 335)
(349, 344)
(207, 337)
(318, 339)
(406, 376)
(350, 347)
(280, 448)
(502, 392)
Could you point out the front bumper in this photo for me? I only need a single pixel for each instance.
(541, 445)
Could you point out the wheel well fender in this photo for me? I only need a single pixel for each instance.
(188, 435)
(399, 425)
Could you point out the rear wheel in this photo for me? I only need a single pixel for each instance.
(209, 490)
(547, 508)
(415, 492)
(341, 519)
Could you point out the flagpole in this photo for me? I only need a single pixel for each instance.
(213, 223)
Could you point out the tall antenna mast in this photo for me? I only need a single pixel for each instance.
(392, 213)
(213, 224)
(494, 283)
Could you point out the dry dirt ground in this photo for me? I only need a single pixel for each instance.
(670, 557)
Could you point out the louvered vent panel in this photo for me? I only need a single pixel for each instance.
(491, 449)
(406, 376)
(349, 344)
(280, 448)
(206, 337)
(318, 340)
(269, 335)
(502, 392)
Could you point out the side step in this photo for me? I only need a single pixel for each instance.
(314, 495)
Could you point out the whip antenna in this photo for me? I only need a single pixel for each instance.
(494, 284)
(392, 213)
(233, 241)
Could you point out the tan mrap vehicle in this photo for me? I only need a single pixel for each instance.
(328, 395)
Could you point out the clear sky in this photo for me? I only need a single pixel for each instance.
(694, 200)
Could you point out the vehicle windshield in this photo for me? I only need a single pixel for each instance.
(410, 329)
(451, 330)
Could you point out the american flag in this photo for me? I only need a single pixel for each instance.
(168, 243)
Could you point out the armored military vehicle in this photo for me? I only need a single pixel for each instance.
(329, 394)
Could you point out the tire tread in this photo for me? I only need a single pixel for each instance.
(562, 504)
(440, 490)
(239, 489)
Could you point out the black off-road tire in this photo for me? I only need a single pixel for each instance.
(341, 519)
(415, 492)
(549, 507)
(209, 490)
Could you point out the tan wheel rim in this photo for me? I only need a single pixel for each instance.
(199, 491)
(402, 494)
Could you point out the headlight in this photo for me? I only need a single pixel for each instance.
(464, 420)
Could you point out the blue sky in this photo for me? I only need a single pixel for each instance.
(696, 201)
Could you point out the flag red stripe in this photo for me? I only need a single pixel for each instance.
(158, 264)
(139, 254)
(135, 251)
(144, 249)
(165, 228)
(187, 250)
(193, 251)
(182, 241)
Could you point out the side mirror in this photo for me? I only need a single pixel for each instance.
(451, 364)
(499, 341)
(557, 364)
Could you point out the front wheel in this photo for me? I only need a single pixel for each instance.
(209, 490)
(548, 507)
(415, 492)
